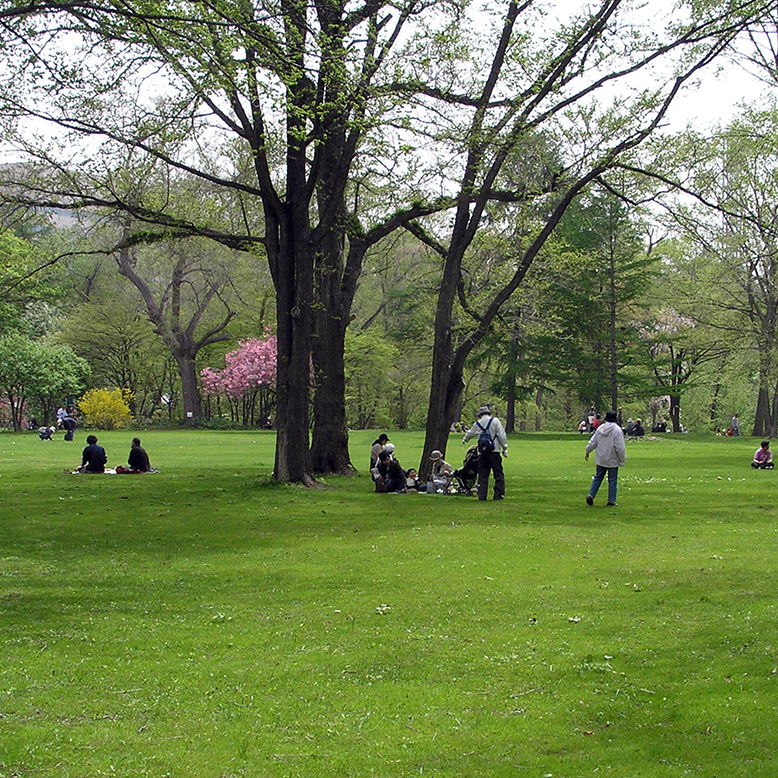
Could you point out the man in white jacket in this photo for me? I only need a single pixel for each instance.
(489, 460)
(608, 440)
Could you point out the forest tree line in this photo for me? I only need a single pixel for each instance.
(423, 217)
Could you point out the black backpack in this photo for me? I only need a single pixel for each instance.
(485, 439)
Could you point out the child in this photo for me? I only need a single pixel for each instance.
(763, 457)
(412, 483)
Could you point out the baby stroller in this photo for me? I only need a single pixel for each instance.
(467, 475)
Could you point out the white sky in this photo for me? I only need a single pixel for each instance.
(718, 97)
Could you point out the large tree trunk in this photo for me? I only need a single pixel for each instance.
(612, 353)
(447, 387)
(294, 287)
(447, 381)
(190, 392)
(334, 296)
(336, 282)
(329, 447)
(762, 416)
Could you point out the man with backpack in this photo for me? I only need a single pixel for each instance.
(491, 440)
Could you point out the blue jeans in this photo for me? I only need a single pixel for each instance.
(613, 481)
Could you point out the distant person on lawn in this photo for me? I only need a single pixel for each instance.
(378, 447)
(138, 459)
(93, 457)
(763, 457)
(489, 459)
(391, 475)
(608, 441)
(69, 424)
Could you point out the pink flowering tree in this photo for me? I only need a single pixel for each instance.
(247, 381)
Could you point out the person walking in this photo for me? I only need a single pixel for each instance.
(608, 441)
(736, 425)
(491, 439)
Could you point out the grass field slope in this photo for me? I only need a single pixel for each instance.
(206, 622)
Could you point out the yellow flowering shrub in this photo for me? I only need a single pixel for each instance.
(106, 409)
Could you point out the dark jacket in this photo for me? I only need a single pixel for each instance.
(93, 459)
(139, 459)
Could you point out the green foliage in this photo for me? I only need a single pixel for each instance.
(17, 259)
(369, 391)
(726, 276)
(106, 409)
(110, 329)
(64, 374)
(45, 372)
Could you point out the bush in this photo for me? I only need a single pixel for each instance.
(106, 409)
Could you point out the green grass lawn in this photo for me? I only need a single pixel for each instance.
(206, 622)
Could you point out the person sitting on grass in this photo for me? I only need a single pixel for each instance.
(441, 473)
(412, 482)
(138, 459)
(391, 475)
(763, 457)
(93, 457)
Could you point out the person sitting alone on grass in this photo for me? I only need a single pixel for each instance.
(93, 457)
(763, 457)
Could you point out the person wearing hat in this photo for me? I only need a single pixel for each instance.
(489, 429)
(608, 441)
(441, 473)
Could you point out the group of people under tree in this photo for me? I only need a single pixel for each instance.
(492, 446)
